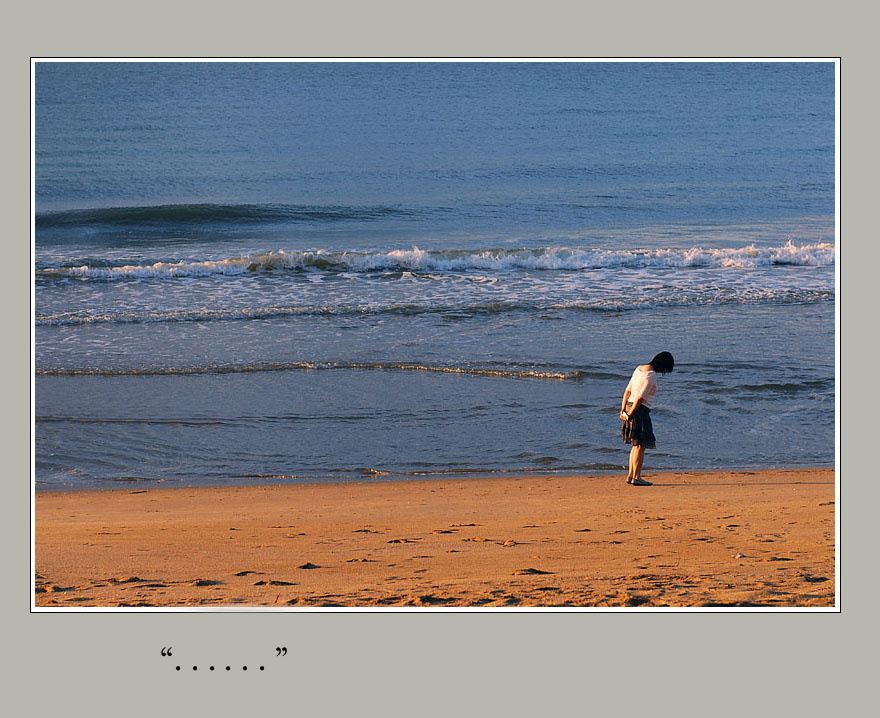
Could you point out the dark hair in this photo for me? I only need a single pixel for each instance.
(663, 363)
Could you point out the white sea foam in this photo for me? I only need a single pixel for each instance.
(495, 260)
(615, 302)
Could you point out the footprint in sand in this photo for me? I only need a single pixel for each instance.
(530, 572)
(205, 582)
(309, 565)
(429, 600)
(462, 525)
(361, 560)
(245, 573)
(404, 540)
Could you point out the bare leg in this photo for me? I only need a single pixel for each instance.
(637, 456)
(632, 462)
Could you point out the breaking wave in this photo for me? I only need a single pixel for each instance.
(497, 260)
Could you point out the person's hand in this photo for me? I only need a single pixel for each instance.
(623, 416)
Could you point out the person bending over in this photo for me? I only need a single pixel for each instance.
(635, 413)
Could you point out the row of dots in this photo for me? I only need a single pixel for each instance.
(228, 668)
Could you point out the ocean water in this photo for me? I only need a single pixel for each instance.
(287, 272)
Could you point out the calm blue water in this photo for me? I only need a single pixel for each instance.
(331, 271)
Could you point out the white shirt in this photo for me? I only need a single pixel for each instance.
(642, 385)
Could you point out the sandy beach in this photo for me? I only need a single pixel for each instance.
(738, 538)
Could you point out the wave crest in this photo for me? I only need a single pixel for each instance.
(497, 372)
(498, 260)
(173, 215)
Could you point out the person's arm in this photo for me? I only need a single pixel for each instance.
(626, 396)
(635, 388)
(635, 405)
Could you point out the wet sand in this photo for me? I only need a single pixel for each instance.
(737, 538)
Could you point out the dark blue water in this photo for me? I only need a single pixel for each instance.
(309, 271)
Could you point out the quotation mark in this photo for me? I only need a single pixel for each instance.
(166, 651)
(281, 651)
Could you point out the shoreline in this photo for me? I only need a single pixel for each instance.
(380, 477)
(697, 538)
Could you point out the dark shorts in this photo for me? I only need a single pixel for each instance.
(639, 431)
